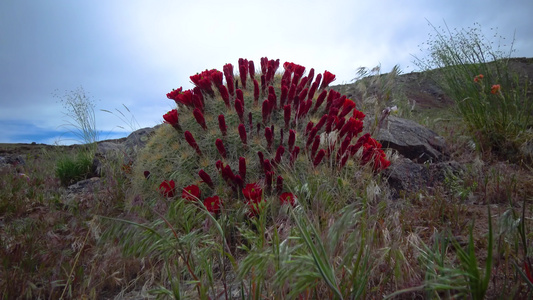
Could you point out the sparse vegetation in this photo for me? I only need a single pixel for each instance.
(494, 101)
(161, 229)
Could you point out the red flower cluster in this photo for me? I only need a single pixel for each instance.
(372, 152)
(205, 80)
(478, 78)
(192, 193)
(171, 118)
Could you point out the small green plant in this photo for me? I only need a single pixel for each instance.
(72, 168)
(494, 102)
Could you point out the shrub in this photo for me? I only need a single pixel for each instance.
(233, 151)
(469, 68)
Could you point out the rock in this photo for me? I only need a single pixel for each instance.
(82, 191)
(106, 148)
(411, 140)
(138, 139)
(406, 175)
(13, 160)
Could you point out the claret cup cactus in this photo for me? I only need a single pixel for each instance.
(235, 142)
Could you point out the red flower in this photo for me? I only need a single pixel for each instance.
(238, 181)
(224, 94)
(242, 133)
(191, 192)
(265, 111)
(199, 118)
(251, 69)
(316, 143)
(204, 81)
(239, 108)
(212, 204)
(288, 198)
(253, 192)
(216, 77)
(358, 114)
(328, 78)
(279, 154)
(287, 115)
(242, 167)
(228, 73)
(175, 92)
(495, 89)
(294, 155)
(220, 148)
(192, 142)
(269, 137)
(184, 98)
(264, 64)
(292, 139)
(309, 127)
(320, 99)
(171, 118)
(222, 125)
(228, 174)
(279, 184)
(292, 93)
(347, 106)
(312, 91)
(261, 159)
(310, 76)
(478, 78)
(167, 188)
(243, 71)
(319, 157)
(272, 96)
(206, 178)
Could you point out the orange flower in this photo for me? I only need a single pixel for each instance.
(495, 89)
(478, 78)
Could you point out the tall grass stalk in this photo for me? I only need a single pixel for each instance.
(79, 109)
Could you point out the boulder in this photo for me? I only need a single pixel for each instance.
(405, 175)
(411, 140)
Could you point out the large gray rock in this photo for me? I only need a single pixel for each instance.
(411, 140)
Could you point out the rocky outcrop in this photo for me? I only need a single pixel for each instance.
(423, 158)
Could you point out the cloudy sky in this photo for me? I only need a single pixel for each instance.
(131, 53)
